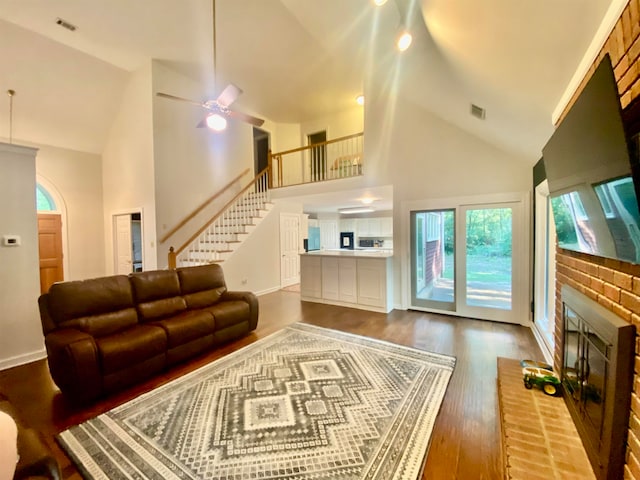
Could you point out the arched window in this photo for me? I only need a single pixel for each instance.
(44, 201)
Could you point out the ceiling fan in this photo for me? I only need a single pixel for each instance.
(219, 108)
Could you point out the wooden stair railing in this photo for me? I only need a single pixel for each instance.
(258, 189)
(338, 158)
(202, 206)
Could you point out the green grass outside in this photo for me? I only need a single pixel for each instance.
(481, 268)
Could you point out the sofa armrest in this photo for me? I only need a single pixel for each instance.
(74, 363)
(248, 297)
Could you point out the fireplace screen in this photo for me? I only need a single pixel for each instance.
(596, 376)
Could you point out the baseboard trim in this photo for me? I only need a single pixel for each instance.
(18, 360)
(268, 290)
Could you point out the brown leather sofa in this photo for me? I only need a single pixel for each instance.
(107, 333)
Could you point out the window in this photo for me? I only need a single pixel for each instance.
(44, 201)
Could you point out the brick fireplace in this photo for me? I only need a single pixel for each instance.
(613, 284)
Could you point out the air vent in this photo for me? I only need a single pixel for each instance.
(63, 23)
(478, 112)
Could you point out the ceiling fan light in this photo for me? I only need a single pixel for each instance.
(216, 122)
(404, 40)
(360, 99)
(379, 3)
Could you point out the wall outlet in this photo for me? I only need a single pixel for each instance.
(11, 240)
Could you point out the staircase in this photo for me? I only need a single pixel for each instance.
(224, 234)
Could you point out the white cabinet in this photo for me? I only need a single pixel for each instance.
(353, 281)
(330, 278)
(310, 276)
(347, 280)
(329, 234)
(372, 282)
(347, 224)
(339, 279)
(374, 227)
(386, 227)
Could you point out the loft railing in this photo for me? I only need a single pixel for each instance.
(202, 206)
(333, 159)
(211, 242)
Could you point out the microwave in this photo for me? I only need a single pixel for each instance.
(365, 243)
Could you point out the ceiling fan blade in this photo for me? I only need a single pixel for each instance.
(202, 123)
(173, 97)
(245, 118)
(229, 95)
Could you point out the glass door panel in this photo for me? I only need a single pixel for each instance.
(433, 259)
(489, 266)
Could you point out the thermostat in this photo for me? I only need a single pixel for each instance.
(11, 240)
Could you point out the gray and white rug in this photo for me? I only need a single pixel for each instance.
(303, 403)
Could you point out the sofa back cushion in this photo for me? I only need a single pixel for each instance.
(202, 286)
(157, 294)
(99, 306)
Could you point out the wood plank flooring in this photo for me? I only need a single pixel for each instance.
(466, 440)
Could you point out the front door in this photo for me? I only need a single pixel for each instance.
(289, 249)
(50, 250)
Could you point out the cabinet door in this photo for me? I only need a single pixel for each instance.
(310, 276)
(348, 280)
(362, 226)
(347, 225)
(372, 282)
(330, 278)
(374, 227)
(386, 227)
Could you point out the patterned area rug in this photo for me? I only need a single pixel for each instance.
(303, 403)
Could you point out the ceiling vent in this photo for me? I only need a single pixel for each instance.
(478, 112)
(64, 24)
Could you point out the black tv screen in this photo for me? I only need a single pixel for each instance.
(588, 166)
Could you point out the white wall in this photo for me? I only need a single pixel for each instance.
(77, 178)
(339, 124)
(127, 166)
(425, 157)
(21, 340)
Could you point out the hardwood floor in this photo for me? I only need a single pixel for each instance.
(466, 440)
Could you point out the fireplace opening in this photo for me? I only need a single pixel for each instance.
(597, 376)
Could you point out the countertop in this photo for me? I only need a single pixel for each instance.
(373, 252)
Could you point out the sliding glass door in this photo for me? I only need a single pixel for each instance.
(463, 261)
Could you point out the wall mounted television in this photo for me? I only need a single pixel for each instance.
(589, 161)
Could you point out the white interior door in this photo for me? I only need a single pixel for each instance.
(122, 244)
(289, 249)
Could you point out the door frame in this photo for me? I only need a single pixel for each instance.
(61, 209)
(521, 278)
(114, 240)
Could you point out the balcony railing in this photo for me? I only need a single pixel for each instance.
(330, 160)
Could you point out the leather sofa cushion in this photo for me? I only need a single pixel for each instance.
(98, 306)
(103, 324)
(226, 314)
(157, 294)
(202, 286)
(135, 345)
(186, 327)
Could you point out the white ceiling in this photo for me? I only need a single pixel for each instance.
(295, 59)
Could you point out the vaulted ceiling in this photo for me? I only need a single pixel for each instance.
(295, 59)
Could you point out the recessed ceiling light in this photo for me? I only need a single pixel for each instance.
(360, 99)
(404, 40)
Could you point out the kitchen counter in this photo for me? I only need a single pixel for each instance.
(369, 252)
(351, 278)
